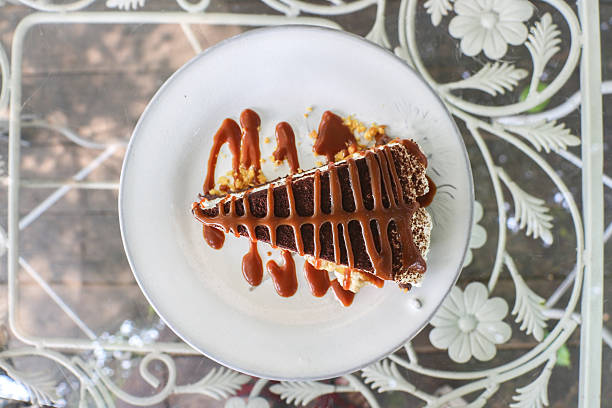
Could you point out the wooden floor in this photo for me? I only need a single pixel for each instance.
(96, 81)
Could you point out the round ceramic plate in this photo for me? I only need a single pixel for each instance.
(199, 291)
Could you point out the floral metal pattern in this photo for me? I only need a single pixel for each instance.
(471, 322)
(490, 25)
(479, 234)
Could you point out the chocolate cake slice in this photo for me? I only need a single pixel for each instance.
(359, 216)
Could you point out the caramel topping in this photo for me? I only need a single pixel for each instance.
(415, 150)
(344, 296)
(284, 277)
(396, 211)
(250, 154)
(252, 268)
(214, 238)
(229, 132)
(374, 280)
(285, 146)
(318, 279)
(379, 212)
(334, 137)
(346, 281)
(425, 200)
(245, 145)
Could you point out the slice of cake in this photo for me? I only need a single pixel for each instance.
(358, 217)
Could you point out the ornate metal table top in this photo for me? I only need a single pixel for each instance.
(527, 323)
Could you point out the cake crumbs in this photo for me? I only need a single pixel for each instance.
(248, 178)
(340, 155)
(266, 140)
(269, 253)
(353, 124)
(318, 163)
(261, 178)
(375, 131)
(262, 160)
(313, 134)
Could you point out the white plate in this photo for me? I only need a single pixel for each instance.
(200, 292)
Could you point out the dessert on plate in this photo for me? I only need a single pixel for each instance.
(362, 217)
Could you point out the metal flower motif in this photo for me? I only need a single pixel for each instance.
(470, 324)
(490, 25)
(479, 234)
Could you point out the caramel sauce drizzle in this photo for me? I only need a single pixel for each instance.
(285, 146)
(318, 279)
(333, 137)
(228, 132)
(344, 296)
(252, 268)
(249, 150)
(398, 210)
(284, 277)
(414, 150)
(213, 237)
(374, 280)
(244, 147)
(425, 200)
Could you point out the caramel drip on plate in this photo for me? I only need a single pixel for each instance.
(284, 277)
(252, 268)
(333, 137)
(344, 296)
(229, 132)
(374, 280)
(425, 200)
(249, 151)
(285, 146)
(382, 174)
(318, 279)
(213, 237)
(244, 147)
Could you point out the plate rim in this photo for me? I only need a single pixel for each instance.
(203, 54)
